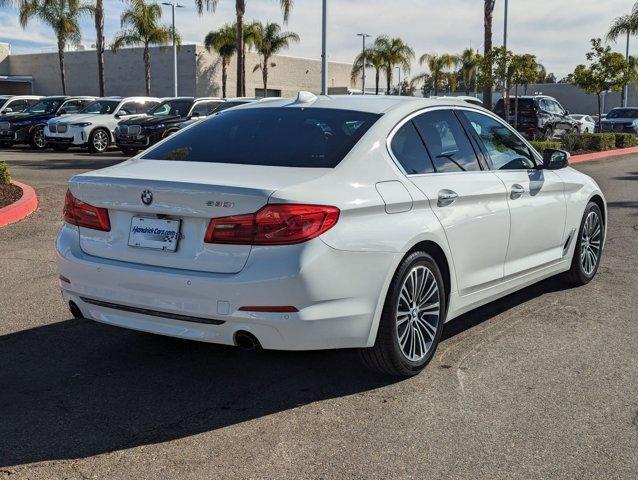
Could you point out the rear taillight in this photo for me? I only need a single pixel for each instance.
(77, 212)
(273, 225)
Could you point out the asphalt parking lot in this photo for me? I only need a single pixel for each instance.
(541, 384)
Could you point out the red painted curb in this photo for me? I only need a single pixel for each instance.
(25, 206)
(587, 157)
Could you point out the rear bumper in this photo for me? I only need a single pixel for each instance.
(337, 294)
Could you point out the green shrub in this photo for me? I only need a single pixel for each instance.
(5, 178)
(599, 142)
(625, 140)
(541, 146)
(573, 142)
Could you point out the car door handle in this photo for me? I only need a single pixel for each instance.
(447, 197)
(517, 191)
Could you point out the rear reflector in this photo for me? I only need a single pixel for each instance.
(286, 309)
(277, 224)
(77, 212)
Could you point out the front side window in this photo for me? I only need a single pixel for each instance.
(102, 107)
(407, 147)
(172, 108)
(18, 105)
(49, 105)
(128, 108)
(73, 106)
(506, 150)
(278, 137)
(204, 109)
(446, 142)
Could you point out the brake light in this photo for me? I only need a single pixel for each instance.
(77, 212)
(279, 224)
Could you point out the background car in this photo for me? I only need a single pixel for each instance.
(94, 127)
(539, 116)
(28, 127)
(17, 103)
(225, 105)
(624, 120)
(586, 123)
(140, 132)
(326, 222)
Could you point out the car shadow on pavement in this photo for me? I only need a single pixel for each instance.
(78, 388)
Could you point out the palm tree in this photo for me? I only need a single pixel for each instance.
(269, 40)
(469, 62)
(488, 12)
(141, 27)
(240, 12)
(99, 43)
(373, 60)
(394, 53)
(438, 66)
(224, 42)
(621, 26)
(63, 17)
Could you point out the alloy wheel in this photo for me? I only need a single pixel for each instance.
(38, 138)
(100, 141)
(418, 313)
(590, 243)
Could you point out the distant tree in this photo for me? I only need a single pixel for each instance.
(542, 73)
(626, 25)
(405, 89)
(469, 62)
(270, 40)
(374, 60)
(395, 53)
(606, 71)
(550, 78)
(524, 71)
(224, 43)
(486, 66)
(63, 17)
(439, 67)
(141, 27)
(569, 78)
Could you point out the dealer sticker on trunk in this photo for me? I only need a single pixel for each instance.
(155, 233)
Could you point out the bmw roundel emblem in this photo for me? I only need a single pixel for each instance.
(147, 197)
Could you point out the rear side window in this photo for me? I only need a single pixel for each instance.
(407, 147)
(280, 137)
(446, 142)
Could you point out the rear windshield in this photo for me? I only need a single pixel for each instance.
(623, 113)
(278, 137)
(524, 105)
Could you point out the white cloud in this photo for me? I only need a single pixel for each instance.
(557, 31)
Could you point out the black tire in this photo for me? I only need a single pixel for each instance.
(36, 139)
(60, 148)
(386, 356)
(130, 151)
(99, 140)
(577, 274)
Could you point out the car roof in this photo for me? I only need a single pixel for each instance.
(363, 103)
(128, 99)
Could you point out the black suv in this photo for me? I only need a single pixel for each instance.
(28, 127)
(539, 117)
(139, 133)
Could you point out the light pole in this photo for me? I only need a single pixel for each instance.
(399, 89)
(173, 6)
(626, 88)
(324, 48)
(363, 59)
(505, 99)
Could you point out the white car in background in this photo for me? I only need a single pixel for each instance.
(586, 123)
(94, 126)
(10, 104)
(326, 222)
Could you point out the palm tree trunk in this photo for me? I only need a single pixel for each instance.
(99, 44)
(436, 80)
(264, 75)
(389, 79)
(224, 75)
(487, 47)
(599, 111)
(516, 106)
(240, 10)
(61, 45)
(377, 75)
(147, 69)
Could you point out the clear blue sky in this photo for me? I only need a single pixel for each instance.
(557, 31)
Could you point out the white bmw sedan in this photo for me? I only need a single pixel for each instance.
(326, 222)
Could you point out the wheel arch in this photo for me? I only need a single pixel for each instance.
(598, 200)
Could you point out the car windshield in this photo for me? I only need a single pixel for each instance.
(280, 137)
(177, 108)
(48, 105)
(623, 113)
(226, 105)
(577, 117)
(101, 107)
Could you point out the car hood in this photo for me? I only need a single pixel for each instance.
(19, 117)
(151, 120)
(76, 118)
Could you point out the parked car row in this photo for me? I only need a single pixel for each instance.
(131, 123)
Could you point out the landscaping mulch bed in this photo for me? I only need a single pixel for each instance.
(9, 194)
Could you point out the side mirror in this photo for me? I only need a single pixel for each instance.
(194, 114)
(555, 159)
(8, 110)
(62, 111)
